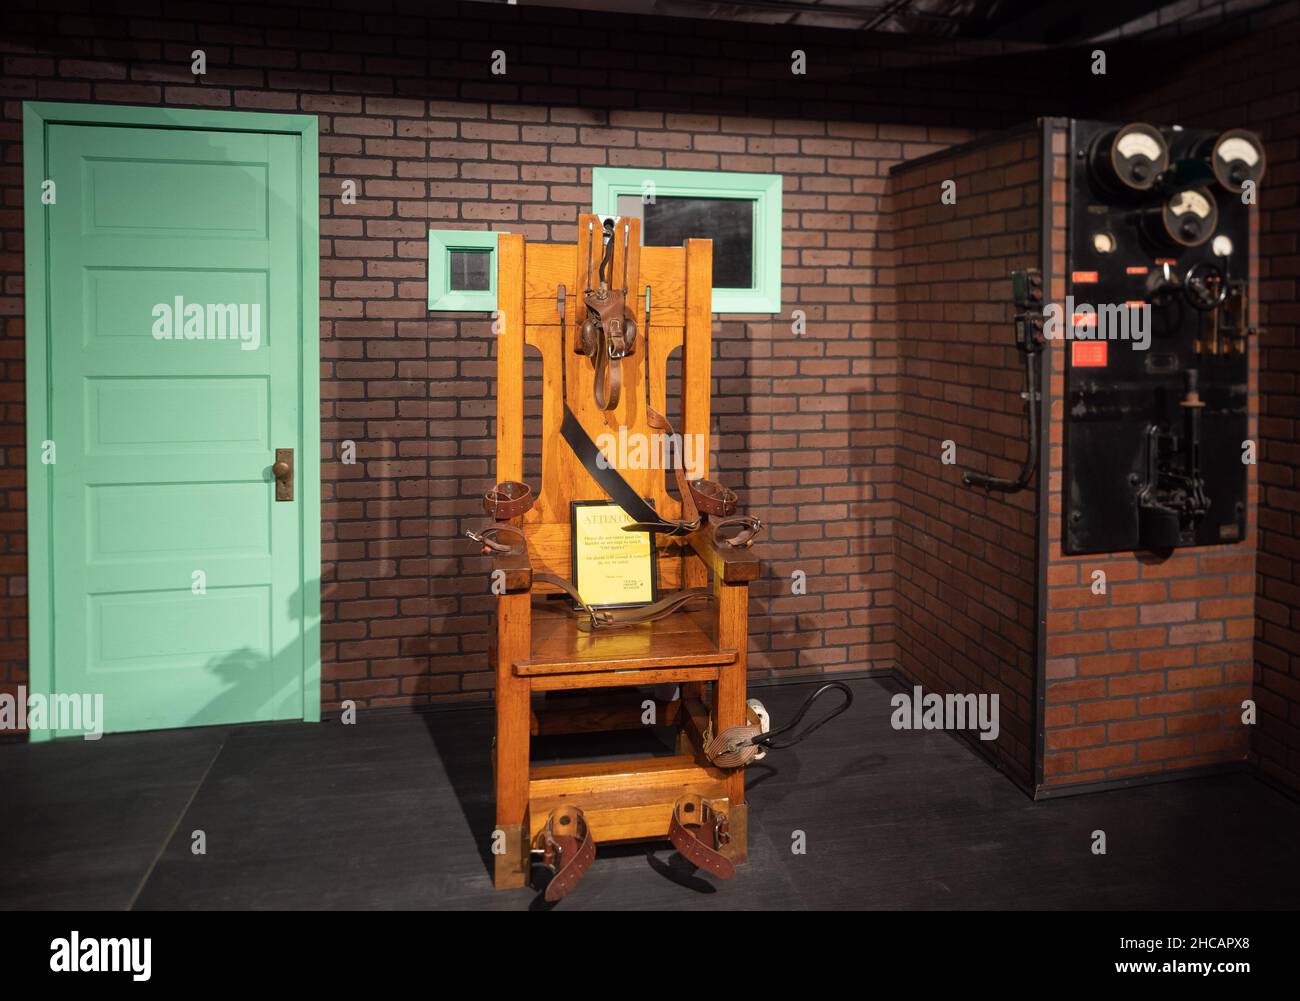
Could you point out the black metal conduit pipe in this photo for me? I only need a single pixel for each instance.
(973, 479)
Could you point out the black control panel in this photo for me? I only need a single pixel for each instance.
(1156, 407)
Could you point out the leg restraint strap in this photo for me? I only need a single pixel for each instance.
(568, 849)
(699, 831)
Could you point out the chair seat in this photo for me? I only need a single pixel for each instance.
(683, 639)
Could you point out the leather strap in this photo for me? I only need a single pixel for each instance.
(507, 500)
(507, 539)
(607, 336)
(613, 618)
(713, 498)
(609, 380)
(645, 518)
(699, 831)
(568, 849)
(488, 539)
(660, 423)
(736, 531)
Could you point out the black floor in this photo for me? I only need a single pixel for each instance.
(395, 812)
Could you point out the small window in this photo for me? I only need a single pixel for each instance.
(462, 270)
(740, 213)
(471, 270)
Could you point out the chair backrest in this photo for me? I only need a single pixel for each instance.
(680, 281)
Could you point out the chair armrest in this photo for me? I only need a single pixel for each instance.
(730, 564)
(517, 569)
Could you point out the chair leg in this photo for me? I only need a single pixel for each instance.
(513, 718)
(728, 708)
(737, 848)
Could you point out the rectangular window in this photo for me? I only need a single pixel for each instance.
(470, 270)
(670, 221)
(462, 270)
(740, 213)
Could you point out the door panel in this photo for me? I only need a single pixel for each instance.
(175, 317)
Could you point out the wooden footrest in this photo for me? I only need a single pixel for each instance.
(622, 800)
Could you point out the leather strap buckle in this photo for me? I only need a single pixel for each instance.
(721, 829)
(737, 531)
(568, 849)
(699, 831)
(487, 538)
(550, 853)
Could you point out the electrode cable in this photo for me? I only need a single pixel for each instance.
(767, 739)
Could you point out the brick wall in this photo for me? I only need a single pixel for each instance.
(965, 558)
(409, 109)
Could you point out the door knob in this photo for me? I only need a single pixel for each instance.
(282, 470)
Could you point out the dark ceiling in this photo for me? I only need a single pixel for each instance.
(1051, 22)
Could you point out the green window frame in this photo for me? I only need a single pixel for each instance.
(442, 244)
(764, 190)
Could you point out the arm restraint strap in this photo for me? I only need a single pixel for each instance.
(490, 538)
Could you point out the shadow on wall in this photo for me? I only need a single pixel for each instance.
(248, 695)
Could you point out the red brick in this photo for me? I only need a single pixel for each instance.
(1075, 737)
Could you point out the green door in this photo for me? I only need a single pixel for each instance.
(174, 298)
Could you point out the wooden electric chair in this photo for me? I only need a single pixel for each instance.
(546, 641)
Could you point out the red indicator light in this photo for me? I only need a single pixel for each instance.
(1088, 354)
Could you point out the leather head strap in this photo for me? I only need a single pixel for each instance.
(607, 337)
(609, 378)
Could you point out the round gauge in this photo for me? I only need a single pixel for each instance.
(1222, 246)
(1192, 202)
(1187, 218)
(1131, 157)
(1103, 243)
(1238, 157)
(1131, 145)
